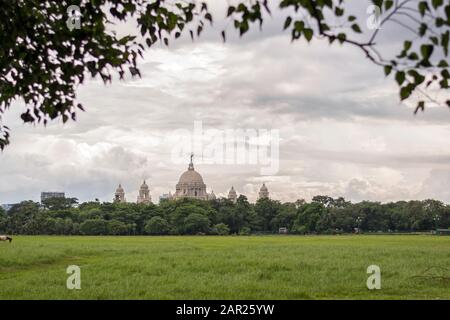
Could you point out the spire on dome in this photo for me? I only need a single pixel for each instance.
(191, 164)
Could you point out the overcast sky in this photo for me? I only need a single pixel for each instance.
(342, 130)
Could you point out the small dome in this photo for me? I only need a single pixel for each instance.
(144, 185)
(119, 189)
(263, 188)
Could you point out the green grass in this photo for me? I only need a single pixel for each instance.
(255, 267)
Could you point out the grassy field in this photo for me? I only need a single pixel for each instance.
(255, 267)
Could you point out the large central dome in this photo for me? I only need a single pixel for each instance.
(191, 176)
(191, 184)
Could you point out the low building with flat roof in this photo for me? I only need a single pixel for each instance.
(48, 195)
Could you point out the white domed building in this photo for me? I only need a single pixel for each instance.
(119, 195)
(232, 195)
(191, 185)
(263, 192)
(144, 194)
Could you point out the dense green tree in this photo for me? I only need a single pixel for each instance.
(93, 227)
(266, 210)
(247, 210)
(373, 216)
(285, 217)
(183, 208)
(58, 203)
(196, 223)
(19, 215)
(2, 219)
(308, 217)
(437, 212)
(117, 228)
(188, 216)
(157, 225)
(330, 202)
(221, 229)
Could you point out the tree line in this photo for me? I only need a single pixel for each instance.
(322, 215)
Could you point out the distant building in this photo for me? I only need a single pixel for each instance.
(232, 195)
(191, 184)
(119, 196)
(144, 194)
(263, 192)
(48, 195)
(165, 197)
(7, 206)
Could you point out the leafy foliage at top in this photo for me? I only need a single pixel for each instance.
(42, 61)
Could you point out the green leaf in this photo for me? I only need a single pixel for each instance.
(423, 7)
(407, 45)
(443, 64)
(388, 4)
(287, 23)
(435, 40)
(423, 29)
(342, 37)
(308, 33)
(400, 77)
(405, 92)
(437, 3)
(426, 50)
(413, 56)
(418, 78)
(378, 3)
(339, 12)
(230, 11)
(356, 28)
(387, 70)
(208, 17)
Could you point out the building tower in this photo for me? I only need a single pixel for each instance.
(263, 192)
(119, 196)
(144, 194)
(232, 195)
(191, 184)
(212, 195)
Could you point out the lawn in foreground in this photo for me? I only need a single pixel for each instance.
(204, 267)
